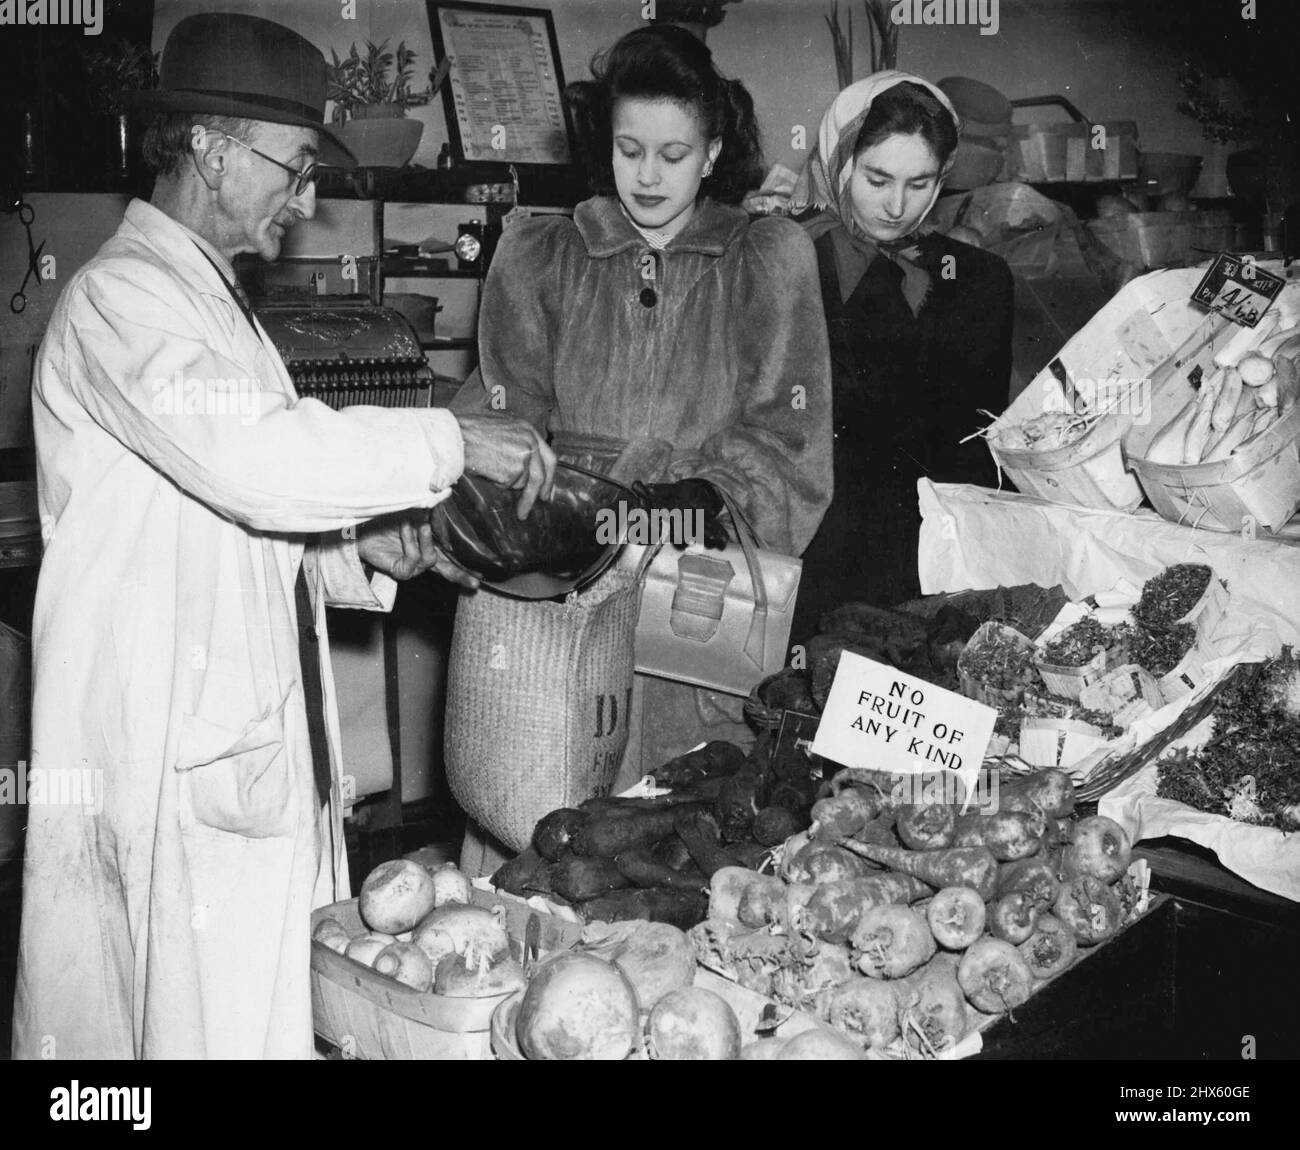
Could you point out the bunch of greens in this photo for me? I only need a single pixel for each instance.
(1079, 643)
(1167, 597)
(1161, 651)
(1250, 768)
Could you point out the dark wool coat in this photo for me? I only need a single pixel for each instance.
(707, 359)
(908, 388)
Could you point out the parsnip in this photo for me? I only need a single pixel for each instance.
(1244, 340)
(1236, 434)
(1198, 435)
(1225, 406)
(1167, 444)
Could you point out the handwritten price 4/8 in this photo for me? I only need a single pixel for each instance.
(1240, 305)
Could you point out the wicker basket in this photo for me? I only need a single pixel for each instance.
(975, 688)
(762, 716)
(1069, 682)
(370, 1016)
(1109, 773)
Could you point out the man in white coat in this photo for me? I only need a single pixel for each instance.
(187, 528)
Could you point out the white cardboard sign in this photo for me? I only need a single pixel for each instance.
(879, 718)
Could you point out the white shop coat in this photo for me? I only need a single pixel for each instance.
(169, 916)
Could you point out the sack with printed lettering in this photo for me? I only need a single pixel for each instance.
(538, 694)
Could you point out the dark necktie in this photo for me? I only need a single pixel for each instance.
(308, 639)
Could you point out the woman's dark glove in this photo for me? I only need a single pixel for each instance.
(687, 495)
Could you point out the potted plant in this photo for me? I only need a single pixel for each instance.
(371, 94)
(1212, 102)
(697, 16)
(111, 76)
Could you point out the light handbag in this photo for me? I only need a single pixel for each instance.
(716, 619)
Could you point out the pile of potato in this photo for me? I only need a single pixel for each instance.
(895, 922)
(424, 932)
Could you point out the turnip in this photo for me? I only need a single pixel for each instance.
(693, 1024)
(865, 1010)
(1034, 876)
(330, 932)
(406, 963)
(395, 896)
(475, 976)
(1008, 835)
(1051, 948)
(450, 885)
(657, 958)
(839, 817)
(1089, 908)
(819, 1045)
(727, 887)
(820, 862)
(1100, 849)
(956, 917)
(934, 1016)
(762, 901)
(365, 947)
(1012, 917)
(833, 911)
(578, 1007)
(994, 976)
(1052, 789)
(455, 928)
(926, 826)
(891, 942)
(761, 1050)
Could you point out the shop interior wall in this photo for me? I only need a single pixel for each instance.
(1114, 59)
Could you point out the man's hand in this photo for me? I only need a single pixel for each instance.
(403, 546)
(510, 452)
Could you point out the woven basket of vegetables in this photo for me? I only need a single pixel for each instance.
(1079, 656)
(997, 665)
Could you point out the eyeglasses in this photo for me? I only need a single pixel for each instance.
(302, 178)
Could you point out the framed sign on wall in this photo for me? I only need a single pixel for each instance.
(503, 90)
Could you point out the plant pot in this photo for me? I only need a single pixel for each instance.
(382, 143)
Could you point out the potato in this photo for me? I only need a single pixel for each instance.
(330, 932)
(407, 963)
(578, 1008)
(693, 1024)
(395, 896)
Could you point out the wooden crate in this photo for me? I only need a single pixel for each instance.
(370, 1016)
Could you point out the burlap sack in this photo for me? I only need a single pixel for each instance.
(537, 702)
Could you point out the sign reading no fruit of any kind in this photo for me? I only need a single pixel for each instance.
(879, 718)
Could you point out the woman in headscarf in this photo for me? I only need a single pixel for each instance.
(920, 336)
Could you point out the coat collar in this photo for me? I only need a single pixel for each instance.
(607, 231)
(179, 246)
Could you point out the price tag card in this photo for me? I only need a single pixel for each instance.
(879, 718)
(1236, 288)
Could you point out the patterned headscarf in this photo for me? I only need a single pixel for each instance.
(824, 184)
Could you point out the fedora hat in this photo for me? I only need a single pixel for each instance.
(227, 64)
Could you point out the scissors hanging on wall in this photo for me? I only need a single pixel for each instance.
(26, 214)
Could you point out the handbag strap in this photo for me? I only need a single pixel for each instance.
(756, 641)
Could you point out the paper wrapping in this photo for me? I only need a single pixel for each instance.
(976, 539)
